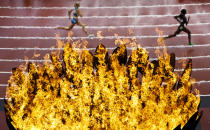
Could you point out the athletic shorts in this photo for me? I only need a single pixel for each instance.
(74, 21)
(181, 27)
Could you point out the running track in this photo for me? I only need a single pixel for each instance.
(26, 25)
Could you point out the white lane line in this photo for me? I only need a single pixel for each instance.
(177, 46)
(206, 95)
(5, 72)
(30, 60)
(103, 27)
(105, 37)
(38, 49)
(3, 85)
(194, 69)
(187, 57)
(3, 98)
(91, 17)
(177, 70)
(108, 7)
(192, 57)
(22, 60)
(108, 48)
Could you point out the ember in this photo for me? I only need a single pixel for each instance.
(86, 91)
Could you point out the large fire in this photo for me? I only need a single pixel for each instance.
(86, 91)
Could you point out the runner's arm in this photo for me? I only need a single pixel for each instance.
(79, 13)
(69, 13)
(177, 18)
(188, 20)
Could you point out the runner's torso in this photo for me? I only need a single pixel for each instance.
(182, 19)
(75, 14)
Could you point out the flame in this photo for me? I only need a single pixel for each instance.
(86, 91)
(99, 35)
(130, 31)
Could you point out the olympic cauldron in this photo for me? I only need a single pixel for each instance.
(80, 90)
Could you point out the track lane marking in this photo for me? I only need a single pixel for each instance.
(30, 60)
(107, 7)
(102, 27)
(98, 17)
(108, 48)
(105, 37)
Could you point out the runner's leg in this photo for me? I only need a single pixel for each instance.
(66, 28)
(83, 27)
(176, 33)
(189, 34)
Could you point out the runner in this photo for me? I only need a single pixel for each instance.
(183, 21)
(74, 20)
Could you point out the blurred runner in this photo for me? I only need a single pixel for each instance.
(183, 21)
(74, 20)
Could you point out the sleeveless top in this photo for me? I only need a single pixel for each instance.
(182, 19)
(75, 13)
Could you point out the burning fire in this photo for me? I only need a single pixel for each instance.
(86, 91)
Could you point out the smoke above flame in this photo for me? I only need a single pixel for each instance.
(81, 90)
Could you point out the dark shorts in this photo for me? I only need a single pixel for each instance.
(74, 21)
(181, 27)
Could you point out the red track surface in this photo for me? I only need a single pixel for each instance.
(157, 18)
